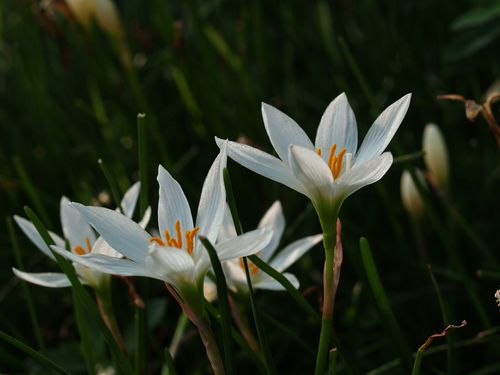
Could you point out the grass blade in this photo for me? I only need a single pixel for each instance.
(111, 183)
(143, 162)
(26, 291)
(32, 353)
(388, 318)
(223, 303)
(168, 364)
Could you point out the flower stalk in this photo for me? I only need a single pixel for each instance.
(331, 274)
(105, 305)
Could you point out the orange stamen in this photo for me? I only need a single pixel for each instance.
(251, 266)
(338, 163)
(331, 157)
(79, 250)
(179, 234)
(158, 240)
(335, 162)
(190, 239)
(89, 245)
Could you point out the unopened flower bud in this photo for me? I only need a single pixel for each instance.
(412, 200)
(83, 10)
(209, 290)
(107, 18)
(436, 155)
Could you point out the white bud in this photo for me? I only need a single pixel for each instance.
(107, 18)
(412, 200)
(436, 155)
(209, 290)
(83, 10)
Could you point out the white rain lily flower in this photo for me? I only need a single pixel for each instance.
(332, 168)
(82, 240)
(177, 256)
(235, 269)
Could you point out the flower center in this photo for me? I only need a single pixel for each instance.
(251, 266)
(334, 162)
(176, 241)
(80, 250)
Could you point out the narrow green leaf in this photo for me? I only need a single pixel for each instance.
(223, 303)
(168, 364)
(332, 361)
(143, 162)
(32, 353)
(82, 295)
(26, 291)
(388, 318)
(111, 183)
(86, 342)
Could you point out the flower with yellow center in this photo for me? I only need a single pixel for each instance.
(332, 168)
(274, 220)
(81, 239)
(176, 257)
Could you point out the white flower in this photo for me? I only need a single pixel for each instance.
(177, 256)
(104, 11)
(412, 200)
(273, 219)
(436, 155)
(82, 240)
(497, 296)
(332, 168)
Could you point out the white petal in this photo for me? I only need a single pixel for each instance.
(105, 264)
(263, 164)
(129, 200)
(212, 200)
(383, 129)
(294, 251)
(145, 219)
(283, 131)
(313, 172)
(364, 174)
(170, 265)
(269, 283)
(103, 248)
(121, 233)
(337, 126)
(75, 229)
(172, 205)
(227, 229)
(244, 245)
(274, 220)
(48, 279)
(30, 231)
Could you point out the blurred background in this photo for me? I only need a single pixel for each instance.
(73, 79)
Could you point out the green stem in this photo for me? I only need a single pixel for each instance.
(182, 323)
(213, 353)
(329, 239)
(105, 304)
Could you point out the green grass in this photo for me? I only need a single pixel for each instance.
(201, 69)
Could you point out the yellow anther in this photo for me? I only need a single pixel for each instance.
(177, 242)
(158, 240)
(335, 162)
(318, 151)
(190, 239)
(251, 266)
(89, 245)
(81, 250)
